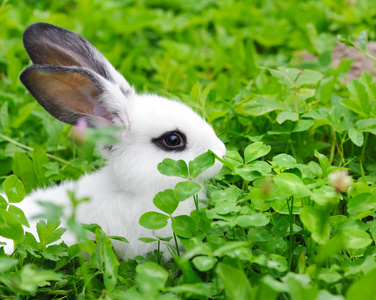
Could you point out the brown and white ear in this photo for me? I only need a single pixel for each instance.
(70, 93)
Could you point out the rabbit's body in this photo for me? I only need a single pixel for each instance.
(115, 210)
(72, 80)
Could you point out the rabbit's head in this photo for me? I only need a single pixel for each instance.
(72, 80)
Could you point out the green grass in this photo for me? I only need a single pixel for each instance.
(281, 222)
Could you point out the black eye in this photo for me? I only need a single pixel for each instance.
(171, 141)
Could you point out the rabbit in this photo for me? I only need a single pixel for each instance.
(71, 79)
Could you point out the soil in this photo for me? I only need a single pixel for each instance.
(361, 63)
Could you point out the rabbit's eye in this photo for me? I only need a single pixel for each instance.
(171, 141)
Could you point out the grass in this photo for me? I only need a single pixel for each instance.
(282, 220)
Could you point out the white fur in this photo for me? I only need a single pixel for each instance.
(124, 189)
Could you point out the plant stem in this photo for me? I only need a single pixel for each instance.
(364, 52)
(290, 208)
(159, 252)
(364, 146)
(244, 185)
(292, 147)
(31, 149)
(195, 198)
(332, 148)
(176, 245)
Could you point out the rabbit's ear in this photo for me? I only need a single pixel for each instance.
(51, 45)
(69, 93)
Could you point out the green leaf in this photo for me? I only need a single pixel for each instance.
(356, 136)
(202, 221)
(96, 254)
(92, 227)
(261, 166)
(3, 203)
(286, 76)
(287, 115)
(230, 194)
(361, 202)
(281, 227)
(19, 214)
(235, 282)
(363, 40)
(366, 124)
(153, 220)
(200, 164)
(14, 189)
(300, 287)
(183, 226)
(252, 220)
(31, 279)
(49, 232)
(260, 105)
(277, 262)
(23, 113)
(225, 207)
(234, 158)
(10, 226)
(367, 80)
(204, 263)
(166, 201)
(118, 238)
(269, 288)
(40, 159)
(23, 168)
(355, 106)
(308, 77)
(325, 89)
(111, 265)
(359, 93)
(325, 195)
(248, 173)
(190, 275)
(324, 163)
(147, 240)
(172, 167)
(355, 238)
(317, 222)
(284, 161)
(54, 252)
(4, 115)
(255, 151)
(229, 247)
(291, 184)
(329, 276)
(151, 277)
(207, 289)
(184, 190)
(5, 165)
(364, 288)
(302, 125)
(7, 264)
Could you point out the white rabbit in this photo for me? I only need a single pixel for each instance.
(72, 80)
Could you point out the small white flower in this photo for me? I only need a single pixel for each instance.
(340, 180)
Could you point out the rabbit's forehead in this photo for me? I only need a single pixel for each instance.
(156, 115)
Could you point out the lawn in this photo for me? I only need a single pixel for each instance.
(291, 215)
